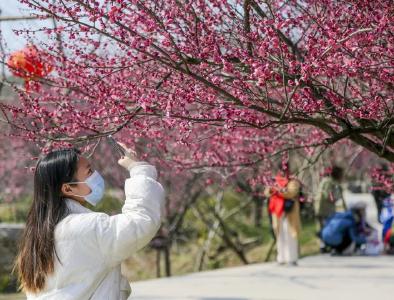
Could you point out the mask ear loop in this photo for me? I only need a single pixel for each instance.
(76, 182)
(82, 196)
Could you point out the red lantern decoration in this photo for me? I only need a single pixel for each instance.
(28, 64)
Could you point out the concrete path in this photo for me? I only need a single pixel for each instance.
(316, 278)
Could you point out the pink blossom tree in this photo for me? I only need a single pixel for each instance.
(214, 83)
(211, 85)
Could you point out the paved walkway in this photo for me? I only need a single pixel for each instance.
(316, 278)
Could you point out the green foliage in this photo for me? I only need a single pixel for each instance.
(8, 283)
(4, 282)
(15, 212)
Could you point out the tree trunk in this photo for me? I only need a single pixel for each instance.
(158, 269)
(258, 211)
(167, 260)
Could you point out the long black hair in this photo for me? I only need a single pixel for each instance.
(37, 247)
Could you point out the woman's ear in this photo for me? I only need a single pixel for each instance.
(66, 189)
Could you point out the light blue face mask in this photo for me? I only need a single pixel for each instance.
(96, 183)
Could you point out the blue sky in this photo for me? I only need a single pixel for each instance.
(14, 8)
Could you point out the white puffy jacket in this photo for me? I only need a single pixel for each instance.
(91, 245)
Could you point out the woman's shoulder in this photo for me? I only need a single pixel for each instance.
(78, 225)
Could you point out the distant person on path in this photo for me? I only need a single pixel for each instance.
(346, 231)
(284, 208)
(328, 193)
(378, 192)
(387, 220)
(68, 251)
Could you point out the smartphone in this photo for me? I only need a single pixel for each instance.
(115, 145)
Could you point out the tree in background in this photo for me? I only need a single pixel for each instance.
(233, 81)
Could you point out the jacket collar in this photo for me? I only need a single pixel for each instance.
(76, 208)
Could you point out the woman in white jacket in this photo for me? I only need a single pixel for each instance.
(69, 252)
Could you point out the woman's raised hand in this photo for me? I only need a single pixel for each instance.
(130, 157)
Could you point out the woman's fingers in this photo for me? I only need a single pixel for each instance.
(129, 152)
(125, 162)
(123, 145)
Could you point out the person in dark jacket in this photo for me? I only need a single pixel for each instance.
(346, 231)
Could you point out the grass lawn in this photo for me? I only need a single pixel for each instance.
(12, 296)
